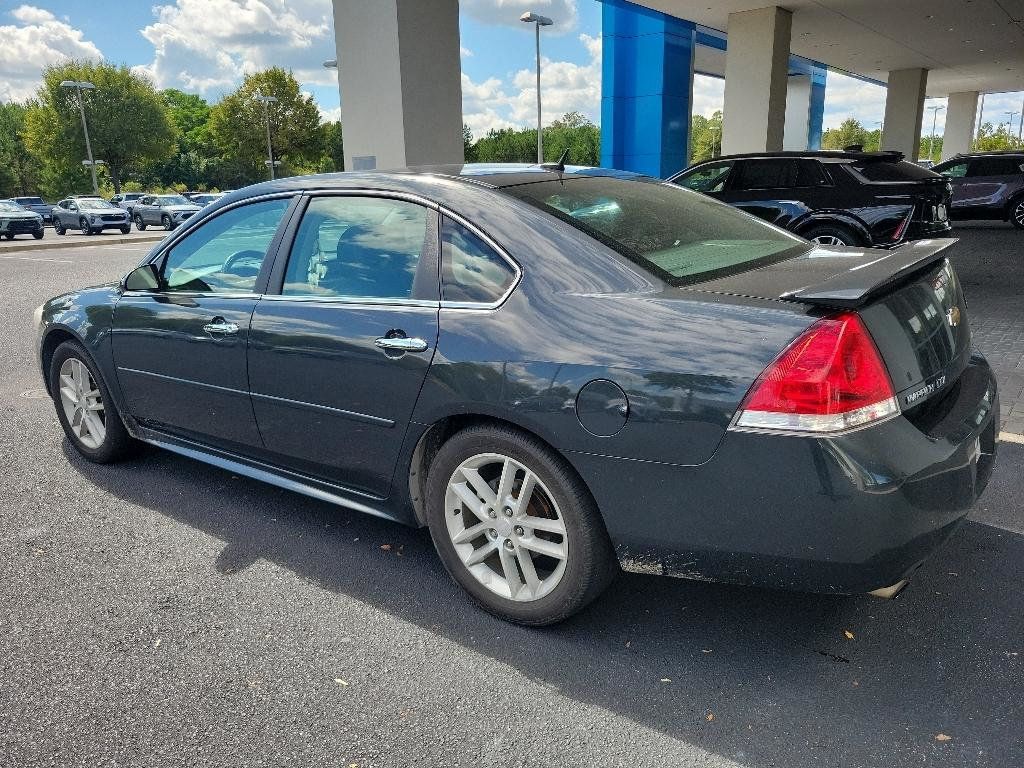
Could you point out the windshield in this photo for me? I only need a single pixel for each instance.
(173, 200)
(7, 205)
(681, 236)
(92, 203)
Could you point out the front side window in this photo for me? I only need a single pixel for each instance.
(360, 247)
(226, 253)
(679, 236)
(955, 170)
(471, 271)
(707, 178)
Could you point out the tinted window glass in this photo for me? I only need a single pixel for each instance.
(358, 246)
(809, 173)
(225, 254)
(707, 178)
(678, 235)
(995, 166)
(884, 170)
(766, 174)
(956, 170)
(470, 269)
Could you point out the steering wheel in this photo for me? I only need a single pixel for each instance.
(247, 270)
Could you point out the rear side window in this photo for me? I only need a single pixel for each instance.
(995, 166)
(885, 170)
(765, 174)
(471, 271)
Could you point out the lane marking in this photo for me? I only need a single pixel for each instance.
(1011, 437)
(31, 258)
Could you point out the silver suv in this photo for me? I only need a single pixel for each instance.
(91, 215)
(166, 210)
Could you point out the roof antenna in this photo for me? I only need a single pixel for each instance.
(558, 165)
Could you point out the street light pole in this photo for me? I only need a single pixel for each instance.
(538, 21)
(80, 86)
(1009, 123)
(266, 114)
(931, 139)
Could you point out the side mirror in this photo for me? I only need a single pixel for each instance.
(144, 278)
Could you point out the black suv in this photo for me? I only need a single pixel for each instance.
(987, 185)
(834, 198)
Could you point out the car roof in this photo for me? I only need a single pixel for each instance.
(829, 154)
(991, 153)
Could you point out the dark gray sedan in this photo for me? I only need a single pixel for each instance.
(167, 211)
(559, 371)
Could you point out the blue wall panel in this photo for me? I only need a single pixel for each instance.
(646, 89)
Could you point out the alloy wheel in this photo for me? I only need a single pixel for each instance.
(83, 403)
(828, 240)
(506, 527)
(84, 224)
(1018, 214)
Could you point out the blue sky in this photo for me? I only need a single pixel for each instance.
(205, 46)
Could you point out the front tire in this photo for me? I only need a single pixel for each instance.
(515, 526)
(83, 224)
(1017, 213)
(831, 235)
(139, 223)
(38, 235)
(84, 407)
(126, 229)
(166, 221)
(58, 228)
(9, 235)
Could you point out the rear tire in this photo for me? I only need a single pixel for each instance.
(139, 223)
(1016, 216)
(84, 407)
(494, 552)
(831, 235)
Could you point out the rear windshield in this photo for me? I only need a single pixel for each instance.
(681, 236)
(881, 170)
(30, 200)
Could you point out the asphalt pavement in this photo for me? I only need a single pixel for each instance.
(161, 612)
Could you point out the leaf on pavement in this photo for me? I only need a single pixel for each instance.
(848, 634)
(386, 547)
(340, 682)
(942, 737)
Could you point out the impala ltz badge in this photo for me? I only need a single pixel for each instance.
(953, 317)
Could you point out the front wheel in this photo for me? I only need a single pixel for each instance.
(126, 229)
(38, 235)
(1017, 213)
(166, 221)
(84, 408)
(83, 224)
(9, 235)
(58, 228)
(831, 235)
(515, 526)
(139, 223)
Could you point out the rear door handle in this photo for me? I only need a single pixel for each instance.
(402, 344)
(221, 326)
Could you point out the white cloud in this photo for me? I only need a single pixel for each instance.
(708, 95)
(565, 87)
(507, 12)
(847, 96)
(38, 40)
(465, 52)
(208, 45)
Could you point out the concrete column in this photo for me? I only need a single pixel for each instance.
(646, 89)
(798, 113)
(756, 75)
(961, 113)
(904, 108)
(401, 82)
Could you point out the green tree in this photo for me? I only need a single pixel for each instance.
(238, 128)
(19, 170)
(993, 139)
(705, 137)
(128, 123)
(194, 161)
(333, 147)
(849, 133)
(573, 132)
(469, 153)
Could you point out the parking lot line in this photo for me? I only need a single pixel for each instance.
(1011, 437)
(31, 258)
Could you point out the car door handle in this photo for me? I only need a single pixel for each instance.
(221, 326)
(402, 344)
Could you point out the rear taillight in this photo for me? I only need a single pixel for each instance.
(830, 379)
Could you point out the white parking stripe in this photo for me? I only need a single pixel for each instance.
(30, 258)
(1011, 437)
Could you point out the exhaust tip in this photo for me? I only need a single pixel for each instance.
(891, 592)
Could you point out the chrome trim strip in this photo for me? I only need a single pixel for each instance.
(497, 249)
(271, 477)
(354, 415)
(199, 384)
(352, 300)
(191, 294)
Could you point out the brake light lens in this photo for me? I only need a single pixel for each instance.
(830, 379)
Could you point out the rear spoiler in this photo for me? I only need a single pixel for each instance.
(855, 286)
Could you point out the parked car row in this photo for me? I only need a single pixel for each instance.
(874, 199)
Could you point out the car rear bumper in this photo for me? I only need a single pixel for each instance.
(846, 514)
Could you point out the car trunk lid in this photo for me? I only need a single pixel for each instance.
(909, 298)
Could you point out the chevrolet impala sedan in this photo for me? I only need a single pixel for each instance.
(559, 371)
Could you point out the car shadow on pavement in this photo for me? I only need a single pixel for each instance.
(763, 678)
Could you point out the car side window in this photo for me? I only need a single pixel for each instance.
(471, 271)
(809, 173)
(366, 247)
(707, 178)
(994, 166)
(766, 174)
(956, 171)
(226, 253)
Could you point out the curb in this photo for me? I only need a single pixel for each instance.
(93, 242)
